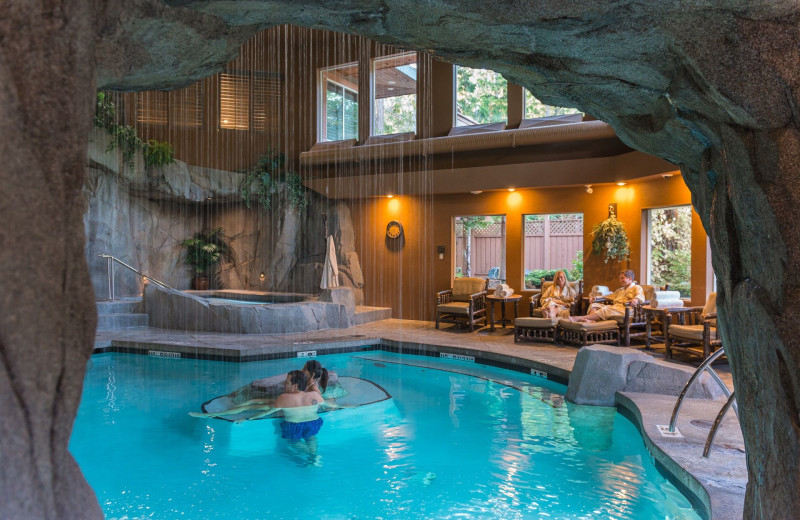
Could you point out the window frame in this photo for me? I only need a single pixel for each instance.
(547, 247)
(526, 93)
(322, 105)
(647, 246)
(455, 99)
(372, 111)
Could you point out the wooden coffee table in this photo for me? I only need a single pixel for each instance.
(654, 316)
(514, 298)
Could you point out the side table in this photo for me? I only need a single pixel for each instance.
(656, 316)
(514, 298)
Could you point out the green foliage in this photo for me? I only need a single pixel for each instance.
(610, 238)
(670, 248)
(296, 192)
(535, 108)
(264, 176)
(124, 137)
(481, 95)
(158, 153)
(577, 266)
(205, 249)
(104, 111)
(533, 278)
(396, 114)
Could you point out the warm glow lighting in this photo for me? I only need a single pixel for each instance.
(624, 195)
(514, 200)
(477, 192)
(394, 205)
(620, 184)
(389, 196)
(512, 189)
(262, 276)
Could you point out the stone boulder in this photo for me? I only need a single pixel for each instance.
(600, 371)
(344, 296)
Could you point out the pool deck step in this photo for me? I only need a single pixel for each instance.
(126, 306)
(366, 314)
(121, 321)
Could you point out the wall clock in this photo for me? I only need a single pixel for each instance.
(394, 229)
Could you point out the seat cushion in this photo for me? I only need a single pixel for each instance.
(588, 325)
(649, 292)
(454, 308)
(537, 323)
(464, 287)
(690, 332)
(711, 304)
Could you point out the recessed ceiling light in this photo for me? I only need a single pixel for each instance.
(476, 192)
(389, 195)
(390, 88)
(512, 189)
(391, 82)
(620, 184)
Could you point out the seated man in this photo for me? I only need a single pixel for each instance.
(630, 292)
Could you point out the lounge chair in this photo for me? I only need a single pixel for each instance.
(697, 334)
(464, 303)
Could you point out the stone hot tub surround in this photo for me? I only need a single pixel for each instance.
(177, 310)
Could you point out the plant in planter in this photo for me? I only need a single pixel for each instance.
(609, 237)
(267, 176)
(203, 251)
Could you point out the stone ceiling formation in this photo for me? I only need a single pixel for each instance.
(711, 86)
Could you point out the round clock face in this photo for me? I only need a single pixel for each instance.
(394, 229)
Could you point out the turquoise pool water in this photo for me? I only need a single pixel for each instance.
(456, 441)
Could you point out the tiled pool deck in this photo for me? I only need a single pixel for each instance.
(723, 475)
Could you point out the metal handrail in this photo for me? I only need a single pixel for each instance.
(721, 415)
(703, 367)
(110, 272)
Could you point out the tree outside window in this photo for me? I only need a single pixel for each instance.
(481, 247)
(339, 106)
(535, 108)
(670, 248)
(395, 94)
(481, 97)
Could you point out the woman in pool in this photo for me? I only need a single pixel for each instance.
(317, 376)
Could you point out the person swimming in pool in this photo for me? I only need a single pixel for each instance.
(317, 376)
(301, 421)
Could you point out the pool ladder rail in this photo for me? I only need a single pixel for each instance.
(730, 402)
(110, 272)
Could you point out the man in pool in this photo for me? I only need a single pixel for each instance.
(301, 422)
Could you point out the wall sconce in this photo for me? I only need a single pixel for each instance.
(440, 250)
(262, 276)
(589, 189)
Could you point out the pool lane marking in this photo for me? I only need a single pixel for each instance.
(508, 385)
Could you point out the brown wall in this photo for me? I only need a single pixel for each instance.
(406, 278)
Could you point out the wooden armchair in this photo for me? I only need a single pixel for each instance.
(464, 303)
(574, 309)
(693, 330)
(633, 324)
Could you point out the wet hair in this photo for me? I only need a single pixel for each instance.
(299, 378)
(628, 273)
(318, 373)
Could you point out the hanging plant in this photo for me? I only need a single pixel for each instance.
(268, 174)
(609, 237)
(158, 153)
(296, 192)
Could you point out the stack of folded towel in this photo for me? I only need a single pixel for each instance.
(666, 300)
(503, 291)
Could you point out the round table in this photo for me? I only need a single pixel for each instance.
(514, 298)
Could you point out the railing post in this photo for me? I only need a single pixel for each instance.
(110, 274)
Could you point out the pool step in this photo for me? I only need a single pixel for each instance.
(366, 314)
(120, 314)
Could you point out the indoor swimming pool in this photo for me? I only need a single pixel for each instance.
(455, 440)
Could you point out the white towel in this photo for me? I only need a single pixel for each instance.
(599, 290)
(503, 293)
(502, 287)
(666, 300)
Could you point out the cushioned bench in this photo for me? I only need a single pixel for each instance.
(588, 332)
(535, 329)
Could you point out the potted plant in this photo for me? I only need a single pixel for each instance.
(204, 250)
(609, 237)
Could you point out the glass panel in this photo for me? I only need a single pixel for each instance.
(481, 247)
(670, 248)
(481, 97)
(535, 108)
(552, 243)
(395, 94)
(339, 108)
(234, 101)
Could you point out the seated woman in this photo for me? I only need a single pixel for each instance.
(556, 299)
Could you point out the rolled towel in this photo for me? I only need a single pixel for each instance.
(599, 290)
(666, 299)
(501, 287)
(504, 294)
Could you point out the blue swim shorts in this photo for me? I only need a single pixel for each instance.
(294, 431)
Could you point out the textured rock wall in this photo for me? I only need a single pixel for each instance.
(141, 215)
(709, 85)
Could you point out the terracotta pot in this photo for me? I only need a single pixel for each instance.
(200, 282)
